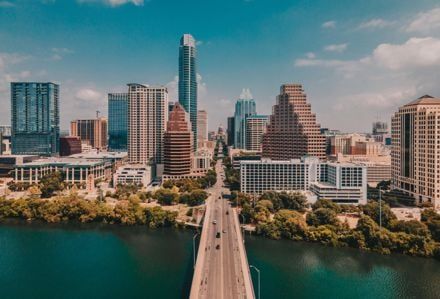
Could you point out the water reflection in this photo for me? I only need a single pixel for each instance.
(314, 271)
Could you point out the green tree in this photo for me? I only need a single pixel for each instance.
(322, 216)
(372, 209)
(166, 197)
(412, 227)
(274, 198)
(51, 183)
(267, 204)
(196, 197)
(326, 203)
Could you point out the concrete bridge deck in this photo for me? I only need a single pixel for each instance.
(222, 269)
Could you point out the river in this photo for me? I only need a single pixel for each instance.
(97, 261)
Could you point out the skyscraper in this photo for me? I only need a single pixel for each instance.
(188, 80)
(70, 145)
(380, 128)
(244, 107)
(415, 156)
(178, 143)
(147, 118)
(255, 128)
(93, 132)
(35, 118)
(293, 131)
(117, 121)
(230, 131)
(202, 125)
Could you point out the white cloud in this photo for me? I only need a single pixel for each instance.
(310, 55)
(425, 22)
(336, 48)
(88, 94)
(388, 98)
(59, 53)
(6, 4)
(172, 87)
(414, 53)
(202, 90)
(329, 24)
(115, 3)
(375, 23)
(304, 62)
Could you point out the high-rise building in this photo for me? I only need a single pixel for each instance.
(380, 128)
(117, 121)
(244, 107)
(147, 119)
(92, 132)
(5, 130)
(231, 131)
(5, 139)
(255, 128)
(292, 131)
(178, 143)
(35, 118)
(70, 145)
(202, 125)
(344, 183)
(415, 152)
(188, 80)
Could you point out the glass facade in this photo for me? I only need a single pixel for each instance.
(188, 80)
(244, 108)
(35, 118)
(117, 121)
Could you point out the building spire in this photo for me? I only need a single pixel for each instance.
(246, 94)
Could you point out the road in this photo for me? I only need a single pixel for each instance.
(221, 269)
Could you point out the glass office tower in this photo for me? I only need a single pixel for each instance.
(35, 118)
(244, 107)
(188, 80)
(117, 121)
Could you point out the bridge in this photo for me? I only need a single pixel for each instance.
(222, 269)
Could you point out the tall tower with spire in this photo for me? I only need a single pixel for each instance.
(188, 80)
(244, 107)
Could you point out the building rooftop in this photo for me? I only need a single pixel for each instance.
(188, 40)
(17, 156)
(62, 162)
(425, 100)
(258, 116)
(100, 155)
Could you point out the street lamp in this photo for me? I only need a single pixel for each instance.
(243, 233)
(194, 249)
(380, 206)
(259, 282)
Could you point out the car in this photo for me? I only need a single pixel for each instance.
(217, 235)
(224, 231)
(214, 222)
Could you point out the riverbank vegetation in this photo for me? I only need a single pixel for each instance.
(74, 208)
(283, 215)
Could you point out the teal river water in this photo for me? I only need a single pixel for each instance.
(89, 261)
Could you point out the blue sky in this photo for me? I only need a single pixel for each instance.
(358, 60)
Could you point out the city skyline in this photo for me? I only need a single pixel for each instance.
(338, 69)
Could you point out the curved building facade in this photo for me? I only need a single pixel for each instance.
(178, 143)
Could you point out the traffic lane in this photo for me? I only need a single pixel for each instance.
(212, 271)
(230, 274)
